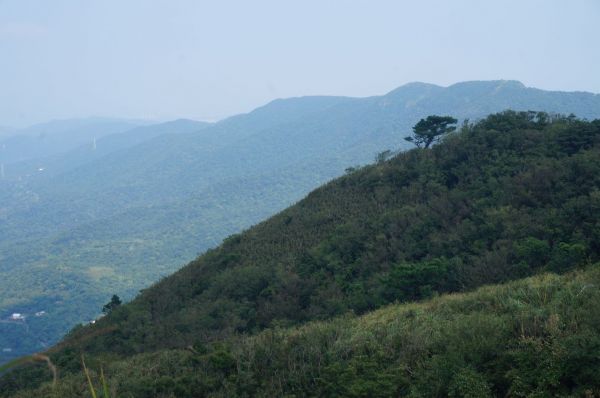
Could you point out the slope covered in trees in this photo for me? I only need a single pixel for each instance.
(510, 196)
(73, 236)
(505, 198)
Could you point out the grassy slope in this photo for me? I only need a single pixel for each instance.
(534, 337)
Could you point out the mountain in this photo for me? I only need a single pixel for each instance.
(293, 305)
(58, 136)
(115, 223)
(97, 149)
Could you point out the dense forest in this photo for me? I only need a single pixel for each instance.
(115, 218)
(510, 196)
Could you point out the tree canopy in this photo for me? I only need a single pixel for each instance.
(431, 129)
(114, 302)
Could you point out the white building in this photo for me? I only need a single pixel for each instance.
(17, 317)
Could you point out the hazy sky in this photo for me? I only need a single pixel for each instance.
(206, 60)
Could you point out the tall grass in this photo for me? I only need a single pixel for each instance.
(105, 390)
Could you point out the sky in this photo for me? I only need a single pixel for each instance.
(205, 60)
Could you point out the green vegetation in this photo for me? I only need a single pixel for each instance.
(104, 384)
(430, 130)
(136, 209)
(513, 195)
(114, 302)
(537, 337)
(484, 207)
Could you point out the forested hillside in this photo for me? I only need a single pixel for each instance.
(534, 337)
(515, 194)
(93, 224)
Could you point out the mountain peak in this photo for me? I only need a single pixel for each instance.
(420, 88)
(487, 85)
(413, 88)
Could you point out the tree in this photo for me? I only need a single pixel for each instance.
(114, 302)
(383, 156)
(430, 130)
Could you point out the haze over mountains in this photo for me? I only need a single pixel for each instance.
(93, 145)
(57, 137)
(145, 200)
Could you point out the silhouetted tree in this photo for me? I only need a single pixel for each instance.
(430, 130)
(114, 302)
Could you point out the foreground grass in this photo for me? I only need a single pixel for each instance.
(535, 337)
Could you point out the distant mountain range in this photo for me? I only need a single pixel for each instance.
(96, 147)
(80, 224)
(57, 137)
